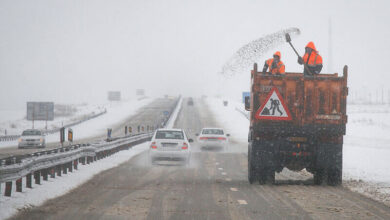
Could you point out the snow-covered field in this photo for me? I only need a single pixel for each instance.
(116, 112)
(14, 121)
(366, 151)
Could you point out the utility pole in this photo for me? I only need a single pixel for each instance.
(382, 96)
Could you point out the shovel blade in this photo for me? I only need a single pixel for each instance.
(288, 38)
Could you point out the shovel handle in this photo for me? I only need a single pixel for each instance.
(294, 49)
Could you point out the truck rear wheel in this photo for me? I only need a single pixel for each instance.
(267, 176)
(329, 162)
(252, 168)
(335, 172)
(334, 176)
(319, 176)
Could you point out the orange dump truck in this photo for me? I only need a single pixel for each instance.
(297, 122)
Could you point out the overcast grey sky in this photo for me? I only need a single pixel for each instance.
(74, 51)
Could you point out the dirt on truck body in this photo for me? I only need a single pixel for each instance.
(297, 122)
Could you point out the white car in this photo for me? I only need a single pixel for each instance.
(170, 144)
(32, 138)
(213, 137)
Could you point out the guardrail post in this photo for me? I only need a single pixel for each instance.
(64, 169)
(94, 158)
(44, 174)
(70, 165)
(28, 180)
(52, 173)
(18, 185)
(8, 189)
(75, 163)
(83, 160)
(59, 170)
(37, 177)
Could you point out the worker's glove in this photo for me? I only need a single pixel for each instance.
(300, 60)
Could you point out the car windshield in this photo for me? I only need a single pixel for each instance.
(170, 135)
(213, 131)
(31, 133)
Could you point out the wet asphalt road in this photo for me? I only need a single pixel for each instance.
(213, 186)
(150, 114)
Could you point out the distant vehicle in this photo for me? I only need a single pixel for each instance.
(170, 145)
(190, 101)
(213, 137)
(225, 103)
(32, 138)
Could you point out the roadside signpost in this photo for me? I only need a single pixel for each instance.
(62, 136)
(42, 111)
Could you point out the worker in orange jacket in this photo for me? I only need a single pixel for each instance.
(274, 65)
(312, 59)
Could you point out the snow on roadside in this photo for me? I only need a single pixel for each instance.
(366, 150)
(172, 119)
(62, 185)
(233, 122)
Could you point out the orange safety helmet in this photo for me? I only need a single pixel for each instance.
(277, 53)
(311, 45)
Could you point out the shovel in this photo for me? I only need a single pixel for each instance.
(288, 39)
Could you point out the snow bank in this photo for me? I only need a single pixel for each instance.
(233, 121)
(367, 151)
(63, 184)
(172, 119)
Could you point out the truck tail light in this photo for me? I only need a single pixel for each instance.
(203, 138)
(185, 146)
(222, 138)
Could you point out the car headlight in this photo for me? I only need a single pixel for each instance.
(20, 140)
(41, 140)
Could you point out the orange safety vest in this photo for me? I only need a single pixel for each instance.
(314, 58)
(279, 67)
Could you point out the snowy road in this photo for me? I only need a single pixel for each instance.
(149, 114)
(214, 186)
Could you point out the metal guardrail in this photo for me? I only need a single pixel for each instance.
(9, 137)
(60, 161)
(14, 137)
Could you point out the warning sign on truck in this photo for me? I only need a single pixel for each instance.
(273, 108)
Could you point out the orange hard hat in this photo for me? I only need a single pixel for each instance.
(277, 53)
(311, 45)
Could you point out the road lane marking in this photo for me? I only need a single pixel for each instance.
(223, 173)
(242, 202)
(216, 163)
(220, 168)
(228, 179)
(233, 189)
